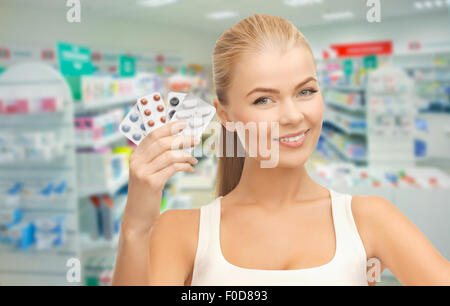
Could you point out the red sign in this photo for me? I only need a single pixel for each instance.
(159, 58)
(4, 53)
(361, 49)
(47, 54)
(96, 56)
(414, 45)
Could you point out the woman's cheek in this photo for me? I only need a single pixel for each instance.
(314, 111)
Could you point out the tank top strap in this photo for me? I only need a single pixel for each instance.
(206, 234)
(347, 236)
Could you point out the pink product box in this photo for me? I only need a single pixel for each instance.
(79, 127)
(15, 106)
(93, 129)
(49, 104)
(126, 87)
(26, 106)
(22, 106)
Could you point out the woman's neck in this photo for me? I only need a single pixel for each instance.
(274, 186)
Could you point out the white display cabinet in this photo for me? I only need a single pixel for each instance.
(392, 105)
(38, 157)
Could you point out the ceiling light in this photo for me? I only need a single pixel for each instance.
(155, 3)
(338, 15)
(301, 2)
(221, 15)
(430, 4)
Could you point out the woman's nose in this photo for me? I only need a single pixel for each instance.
(289, 113)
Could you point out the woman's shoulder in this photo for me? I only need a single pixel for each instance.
(179, 223)
(370, 206)
(369, 213)
(174, 237)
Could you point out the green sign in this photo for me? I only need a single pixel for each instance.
(74, 60)
(370, 62)
(127, 66)
(2, 69)
(347, 66)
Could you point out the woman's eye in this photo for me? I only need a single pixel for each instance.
(307, 92)
(263, 100)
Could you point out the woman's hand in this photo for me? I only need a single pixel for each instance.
(153, 162)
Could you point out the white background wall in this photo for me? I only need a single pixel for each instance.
(28, 27)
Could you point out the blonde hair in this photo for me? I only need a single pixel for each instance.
(251, 35)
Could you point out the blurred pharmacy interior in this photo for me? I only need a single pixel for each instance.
(68, 77)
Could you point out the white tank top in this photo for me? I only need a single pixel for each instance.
(348, 267)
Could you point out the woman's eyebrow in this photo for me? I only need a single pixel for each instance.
(261, 89)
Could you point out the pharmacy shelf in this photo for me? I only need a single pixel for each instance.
(93, 144)
(32, 265)
(424, 67)
(349, 123)
(345, 88)
(352, 108)
(89, 245)
(345, 129)
(194, 182)
(343, 155)
(82, 107)
(111, 189)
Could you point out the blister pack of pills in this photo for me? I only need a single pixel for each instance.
(150, 112)
(173, 101)
(133, 126)
(196, 112)
(153, 111)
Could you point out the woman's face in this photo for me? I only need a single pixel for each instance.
(282, 88)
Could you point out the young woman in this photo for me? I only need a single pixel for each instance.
(267, 226)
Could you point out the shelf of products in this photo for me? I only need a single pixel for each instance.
(392, 108)
(344, 105)
(107, 103)
(346, 148)
(348, 122)
(431, 73)
(101, 142)
(38, 200)
(112, 188)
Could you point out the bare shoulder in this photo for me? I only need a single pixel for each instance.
(177, 226)
(369, 213)
(173, 243)
(371, 206)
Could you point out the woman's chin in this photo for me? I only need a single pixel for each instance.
(284, 161)
(296, 162)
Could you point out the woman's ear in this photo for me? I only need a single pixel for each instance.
(221, 112)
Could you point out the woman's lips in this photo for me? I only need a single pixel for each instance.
(293, 142)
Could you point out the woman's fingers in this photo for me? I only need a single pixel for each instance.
(168, 143)
(170, 157)
(165, 174)
(169, 129)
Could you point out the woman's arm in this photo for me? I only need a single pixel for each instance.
(399, 244)
(146, 242)
(158, 257)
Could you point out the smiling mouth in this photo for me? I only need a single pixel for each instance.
(292, 137)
